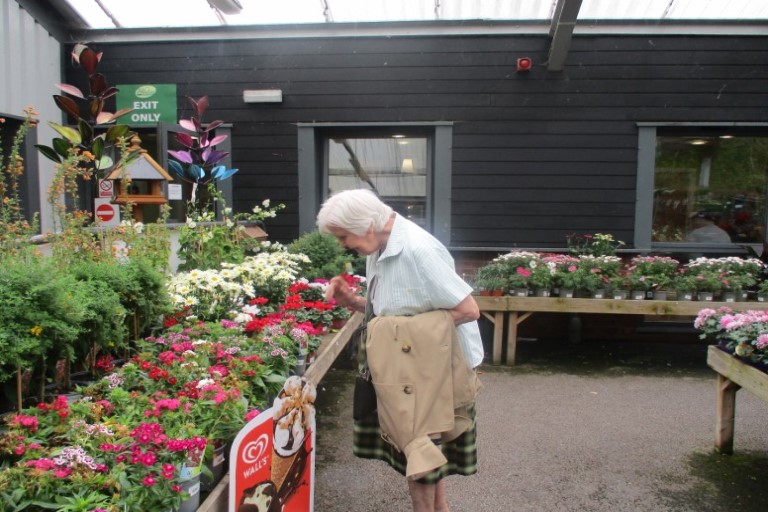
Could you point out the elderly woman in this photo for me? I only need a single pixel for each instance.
(409, 272)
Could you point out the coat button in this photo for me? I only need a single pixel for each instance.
(408, 390)
(406, 348)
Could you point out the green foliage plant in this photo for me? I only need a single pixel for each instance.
(491, 277)
(326, 257)
(15, 229)
(205, 243)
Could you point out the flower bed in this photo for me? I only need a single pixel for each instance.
(186, 389)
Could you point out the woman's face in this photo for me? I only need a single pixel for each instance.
(364, 245)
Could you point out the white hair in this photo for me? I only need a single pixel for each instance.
(355, 211)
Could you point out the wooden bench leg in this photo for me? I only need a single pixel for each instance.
(498, 331)
(726, 412)
(512, 337)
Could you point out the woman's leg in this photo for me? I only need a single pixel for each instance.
(422, 496)
(441, 501)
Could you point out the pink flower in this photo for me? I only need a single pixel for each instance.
(149, 481)
(523, 271)
(148, 459)
(62, 472)
(251, 414)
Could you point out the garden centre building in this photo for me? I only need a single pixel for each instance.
(511, 131)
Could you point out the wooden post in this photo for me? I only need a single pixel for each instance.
(726, 412)
(498, 331)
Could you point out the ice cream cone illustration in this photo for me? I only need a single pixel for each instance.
(294, 416)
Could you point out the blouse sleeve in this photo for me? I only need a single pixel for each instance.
(445, 287)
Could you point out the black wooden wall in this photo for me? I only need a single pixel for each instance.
(536, 156)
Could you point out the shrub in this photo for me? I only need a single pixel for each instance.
(326, 257)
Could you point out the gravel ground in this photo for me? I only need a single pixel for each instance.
(573, 427)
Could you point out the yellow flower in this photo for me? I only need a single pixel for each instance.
(36, 330)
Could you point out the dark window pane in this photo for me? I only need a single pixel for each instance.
(710, 188)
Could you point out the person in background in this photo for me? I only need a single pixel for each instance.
(706, 231)
(409, 272)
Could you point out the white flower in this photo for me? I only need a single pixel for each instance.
(205, 382)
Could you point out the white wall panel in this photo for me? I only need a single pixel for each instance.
(30, 65)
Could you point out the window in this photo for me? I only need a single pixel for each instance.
(708, 186)
(395, 167)
(408, 166)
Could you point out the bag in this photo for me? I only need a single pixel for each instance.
(364, 399)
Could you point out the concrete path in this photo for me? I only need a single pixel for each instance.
(588, 427)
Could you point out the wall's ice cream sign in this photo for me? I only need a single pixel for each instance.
(150, 103)
(272, 461)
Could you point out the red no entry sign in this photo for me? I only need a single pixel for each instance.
(105, 212)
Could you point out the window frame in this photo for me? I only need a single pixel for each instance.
(313, 171)
(646, 169)
(29, 183)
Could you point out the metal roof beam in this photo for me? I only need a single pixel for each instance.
(561, 31)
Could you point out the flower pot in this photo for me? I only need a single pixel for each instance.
(637, 295)
(660, 295)
(338, 323)
(519, 292)
(598, 294)
(619, 294)
(729, 297)
(762, 297)
(542, 292)
(705, 296)
(192, 486)
(566, 293)
(215, 466)
(685, 296)
(497, 293)
(301, 365)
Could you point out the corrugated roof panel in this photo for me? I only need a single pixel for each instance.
(197, 13)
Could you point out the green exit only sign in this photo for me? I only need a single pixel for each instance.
(151, 103)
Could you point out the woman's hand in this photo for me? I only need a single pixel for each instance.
(339, 290)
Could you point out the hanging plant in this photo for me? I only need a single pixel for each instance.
(199, 161)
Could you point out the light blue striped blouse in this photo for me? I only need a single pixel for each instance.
(416, 274)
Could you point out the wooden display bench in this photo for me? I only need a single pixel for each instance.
(732, 375)
(519, 309)
(330, 348)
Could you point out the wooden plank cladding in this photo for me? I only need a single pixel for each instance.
(550, 153)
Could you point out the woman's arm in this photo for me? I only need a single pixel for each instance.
(465, 311)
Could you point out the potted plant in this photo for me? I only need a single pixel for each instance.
(684, 285)
(566, 277)
(653, 273)
(762, 291)
(620, 286)
(595, 273)
(598, 244)
(491, 278)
